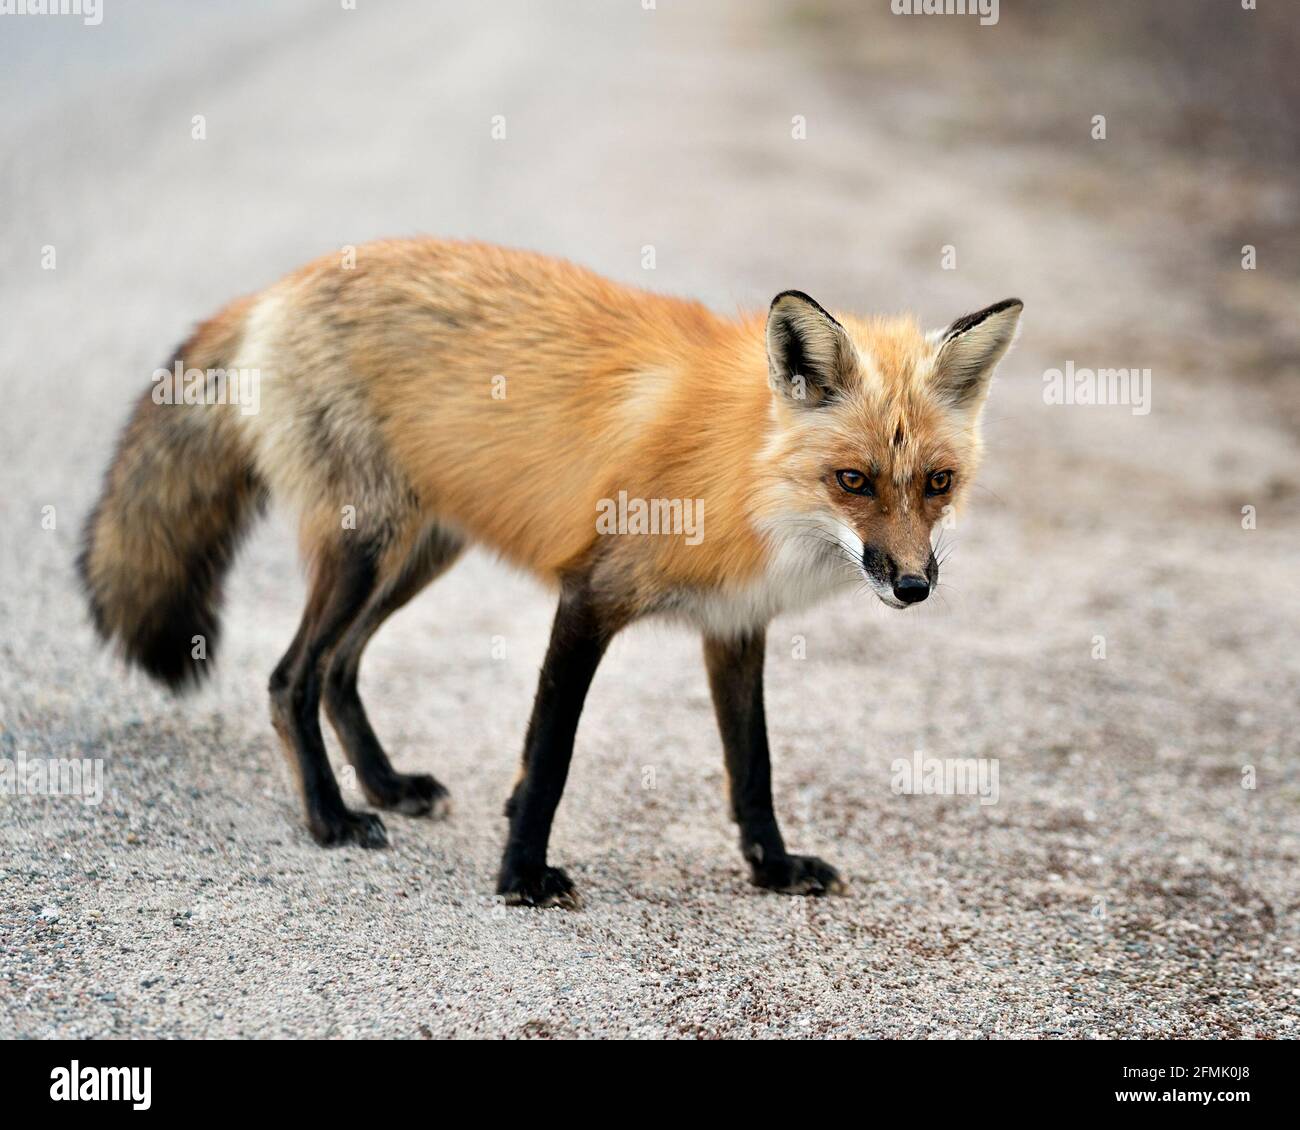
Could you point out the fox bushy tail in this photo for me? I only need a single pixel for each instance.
(176, 501)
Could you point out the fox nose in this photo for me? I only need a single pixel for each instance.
(912, 588)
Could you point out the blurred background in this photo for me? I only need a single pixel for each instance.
(1126, 884)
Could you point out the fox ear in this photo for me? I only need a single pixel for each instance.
(809, 354)
(970, 349)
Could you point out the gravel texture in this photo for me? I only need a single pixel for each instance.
(1126, 884)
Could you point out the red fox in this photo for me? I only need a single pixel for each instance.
(432, 395)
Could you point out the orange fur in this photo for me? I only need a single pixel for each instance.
(500, 396)
(431, 395)
(601, 388)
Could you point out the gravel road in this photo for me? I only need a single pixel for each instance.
(1126, 884)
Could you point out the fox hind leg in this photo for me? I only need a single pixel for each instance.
(344, 578)
(383, 786)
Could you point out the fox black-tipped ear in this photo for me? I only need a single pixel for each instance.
(970, 349)
(809, 354)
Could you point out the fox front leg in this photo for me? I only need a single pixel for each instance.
(735, 668)
(579, 637)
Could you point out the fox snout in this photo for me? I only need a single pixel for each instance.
(906, 583)
(911, 588)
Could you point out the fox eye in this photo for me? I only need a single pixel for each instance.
(855, 482)
(939, 483)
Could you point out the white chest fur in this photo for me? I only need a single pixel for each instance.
(809, 562)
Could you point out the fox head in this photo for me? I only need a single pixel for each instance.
(878, 435)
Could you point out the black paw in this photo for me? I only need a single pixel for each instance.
(540, 886)
(343, 827)
(798, 875)
(415, 794)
